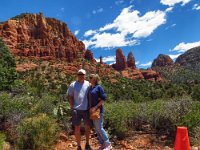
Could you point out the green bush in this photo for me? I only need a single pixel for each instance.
(2, 140)
(196, 93)
(192, 119)
(37, 133)
(195, 139)
(14, 109)
(118, 117)
(162, 116)
(7, 67)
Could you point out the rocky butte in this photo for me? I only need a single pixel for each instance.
(37, 41)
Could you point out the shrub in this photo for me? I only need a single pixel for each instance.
(2, 140)
(63, 114)
(163, 116)
(14, 109)
(192, 119)
(195, 140)
(46, 104)
(196, 93)
(36, 133)
(118, 117)
(7, 67)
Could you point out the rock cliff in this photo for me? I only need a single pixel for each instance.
(33, 35)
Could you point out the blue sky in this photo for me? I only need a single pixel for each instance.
(147, 28)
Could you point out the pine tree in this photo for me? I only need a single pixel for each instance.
(7, 67)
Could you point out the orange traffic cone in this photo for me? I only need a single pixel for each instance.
(182, 141)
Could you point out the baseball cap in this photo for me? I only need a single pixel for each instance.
(81, 71)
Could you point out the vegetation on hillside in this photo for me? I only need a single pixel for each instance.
(7, 67)
(131, 105)
(33, 107)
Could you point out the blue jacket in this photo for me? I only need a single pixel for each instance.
(94, 94)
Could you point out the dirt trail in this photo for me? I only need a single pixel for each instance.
(134, 142)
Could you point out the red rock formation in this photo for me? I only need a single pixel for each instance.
(101, 61)
(150, 74)
(89, 55)
(162, 60)
(34, 35)
(131, 60)
(120, 61)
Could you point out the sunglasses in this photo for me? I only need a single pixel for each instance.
(80, 74)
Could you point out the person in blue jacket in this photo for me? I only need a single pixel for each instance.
(96, 98)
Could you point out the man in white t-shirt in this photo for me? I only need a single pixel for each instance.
(77, 95)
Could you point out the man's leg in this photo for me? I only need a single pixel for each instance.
(76, 121)
(88, 124)
(87, 133)
(78, 135)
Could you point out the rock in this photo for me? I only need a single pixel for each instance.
(150, 74)
(33, 35)
(163, 138)
(131, 60)
(70, 145)
(162, 60)
(101, 61)
(194, 148)
(167, 148)
(74, 143)
(63, 137)
(190, 58)
(89, 55)
(6, 146)
(120, 61)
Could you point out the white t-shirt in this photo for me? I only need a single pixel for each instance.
(79, 92)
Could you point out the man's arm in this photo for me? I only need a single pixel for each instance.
(71, 101)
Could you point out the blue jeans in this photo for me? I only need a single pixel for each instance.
(101, 133)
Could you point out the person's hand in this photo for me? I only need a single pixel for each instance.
(93, 109)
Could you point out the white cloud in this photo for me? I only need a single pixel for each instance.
(137, 62)
(127, 28)
(76, 32)
(97, 11)
(90, 33)
(146, 64)
(109, 40)
(173, 2)
(196, 7)
(129, 22)
(169, 9)
(107, 59)
(119, 2)
(112, 63)
(174, 56)
(183, 47)
(171, 26)
(88, 43)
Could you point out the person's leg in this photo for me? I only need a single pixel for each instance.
(98, 124)
(88, 124)
(78, 135)
(87, 133)
(97, 129)
(76, 122)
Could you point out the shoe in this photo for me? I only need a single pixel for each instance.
(87, 147)
(108, 147)
(79, 148)
(101, 147)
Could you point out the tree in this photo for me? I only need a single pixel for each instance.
(7, 67)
